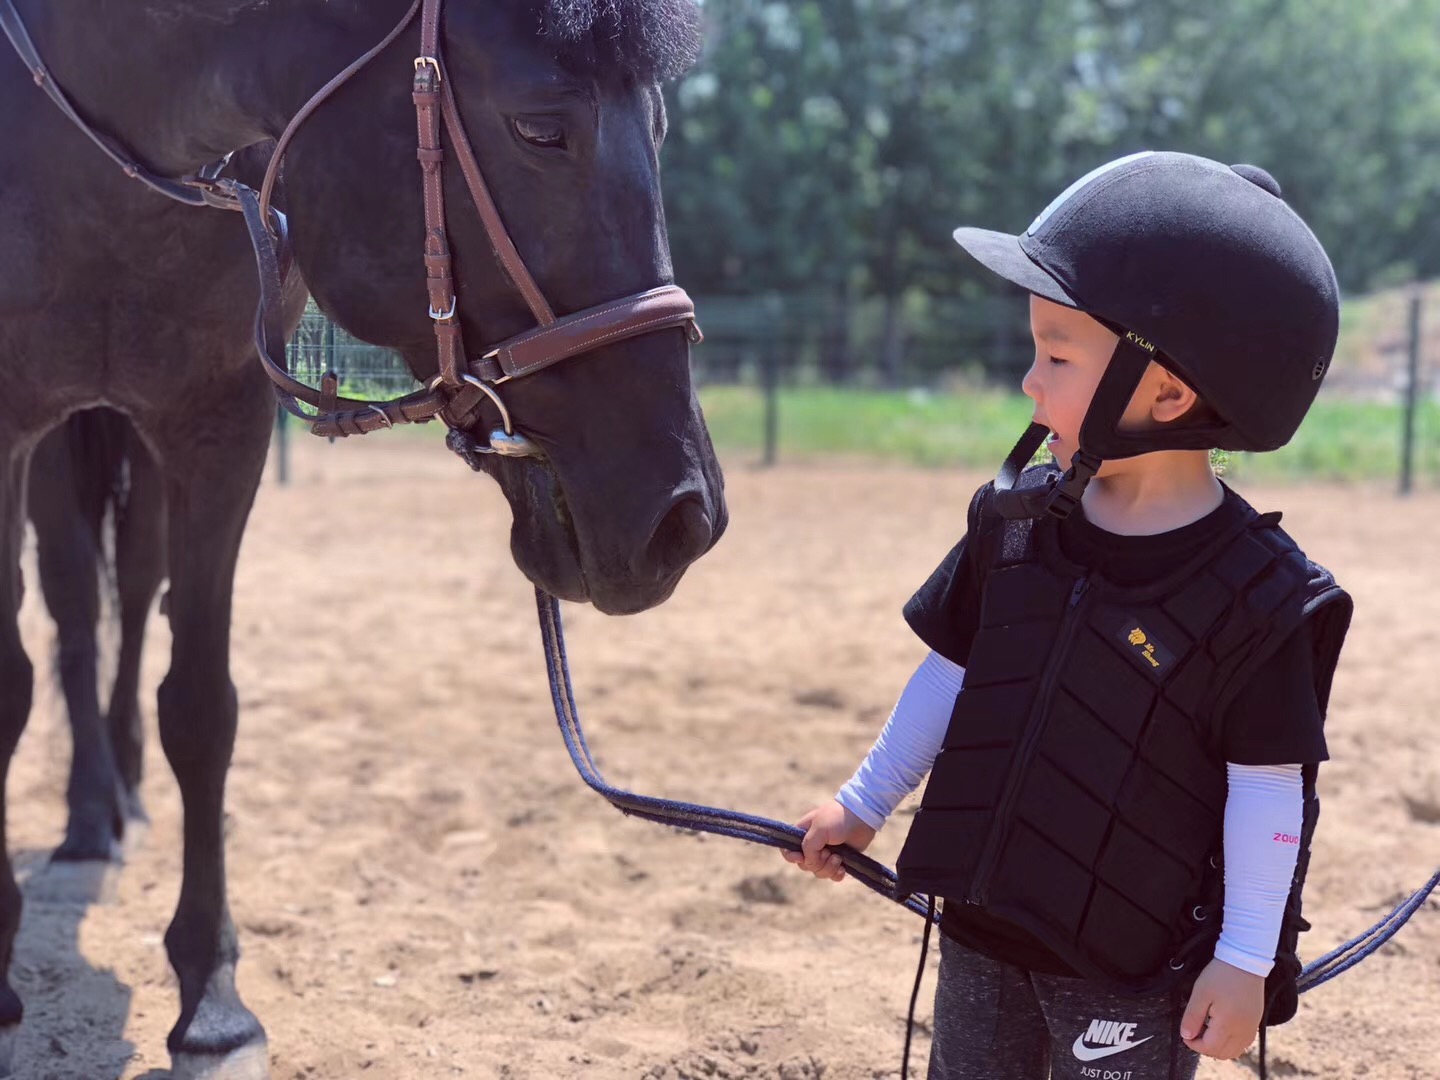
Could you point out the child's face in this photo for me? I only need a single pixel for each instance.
(1072, 351)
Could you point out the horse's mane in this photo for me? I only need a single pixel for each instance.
(650, 40)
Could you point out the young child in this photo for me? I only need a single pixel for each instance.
(1122, 709)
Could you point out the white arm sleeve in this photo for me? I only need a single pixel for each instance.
(1263, 811)
(908, 745)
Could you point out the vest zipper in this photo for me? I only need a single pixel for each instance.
(980, 883)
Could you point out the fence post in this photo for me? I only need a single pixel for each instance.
(1412, 399)
(330, 353)
(282, 447)
(769, 363)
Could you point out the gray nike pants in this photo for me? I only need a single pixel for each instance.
(995, 1021)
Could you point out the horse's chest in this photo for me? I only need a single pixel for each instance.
(98, 305)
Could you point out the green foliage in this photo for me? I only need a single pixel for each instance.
(830, 146)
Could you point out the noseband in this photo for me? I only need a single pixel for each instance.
(459, 391)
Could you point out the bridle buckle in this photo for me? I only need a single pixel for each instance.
(430, 62)
(444, 316)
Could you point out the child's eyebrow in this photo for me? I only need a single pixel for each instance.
(1053, 333)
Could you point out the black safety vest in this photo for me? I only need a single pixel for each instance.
(1080, 790)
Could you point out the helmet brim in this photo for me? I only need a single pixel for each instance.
(1002, 254)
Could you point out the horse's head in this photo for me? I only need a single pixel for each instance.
(563, 108)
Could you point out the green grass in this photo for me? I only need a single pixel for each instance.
(1340, 440)
(915, 428)
(1350, 440)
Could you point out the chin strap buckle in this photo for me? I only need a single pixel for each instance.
(1065, 496)
(1058, 497)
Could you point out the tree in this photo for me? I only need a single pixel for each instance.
(830, 146)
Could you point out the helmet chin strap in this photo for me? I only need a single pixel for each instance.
(1100, 438)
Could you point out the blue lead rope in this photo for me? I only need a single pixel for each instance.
(874, 875)
(1356, 949)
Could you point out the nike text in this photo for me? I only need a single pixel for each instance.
(1105, 1038)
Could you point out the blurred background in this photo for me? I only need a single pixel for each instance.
(822, 151)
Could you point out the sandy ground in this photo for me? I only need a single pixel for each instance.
(424, 888)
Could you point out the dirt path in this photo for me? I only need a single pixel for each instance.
(425, 889)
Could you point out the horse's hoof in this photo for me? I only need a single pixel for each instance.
(249, 1062)
(9, 1036)
(65, 882)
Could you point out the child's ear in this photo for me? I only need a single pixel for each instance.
(1173, 399)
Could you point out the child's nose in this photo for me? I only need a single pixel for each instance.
(1030, 385)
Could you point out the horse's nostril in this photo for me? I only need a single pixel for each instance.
(682, 536)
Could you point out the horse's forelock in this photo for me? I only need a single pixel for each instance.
(651, 40)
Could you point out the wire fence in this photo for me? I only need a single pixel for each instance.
(905, 341)
(807, 339)
(783, 345)
(365, 371)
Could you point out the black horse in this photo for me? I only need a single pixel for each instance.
(111, 295)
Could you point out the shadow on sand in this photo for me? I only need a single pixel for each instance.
(75, 1013)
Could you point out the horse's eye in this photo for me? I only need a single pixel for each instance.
(541, 131)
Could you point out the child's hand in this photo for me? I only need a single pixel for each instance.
(1233, 1001)
(828, 826)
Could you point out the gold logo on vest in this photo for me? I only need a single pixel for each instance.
(1144, 648)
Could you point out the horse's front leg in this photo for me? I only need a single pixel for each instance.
(212, 459)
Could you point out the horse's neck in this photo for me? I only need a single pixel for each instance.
(184, 82)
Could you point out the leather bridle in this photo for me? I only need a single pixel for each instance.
(461, 387)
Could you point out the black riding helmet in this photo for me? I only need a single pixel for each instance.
(1199, 266)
